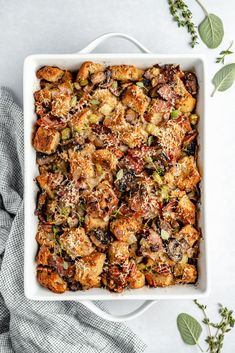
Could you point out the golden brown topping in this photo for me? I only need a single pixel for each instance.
(51, 280)
(50, 73)
(76, 243)
(46, 140)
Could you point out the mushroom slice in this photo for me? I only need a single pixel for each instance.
(175, 250)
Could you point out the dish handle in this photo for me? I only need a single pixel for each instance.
(90, 47)
(118, 318)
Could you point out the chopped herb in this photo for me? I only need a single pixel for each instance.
(175, 113)
(73, 101)
(140, 84)
(95, 102)
(55, 230)
(65, 265)
(115, 85)
(65, 133)
(94, 119)
(157, 178)
(150, 140)
(165, 235)
(119, 174)
(83, 82)
(160, 171)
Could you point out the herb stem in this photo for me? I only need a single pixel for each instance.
(212, 94)
(202, 7)
(200, 347)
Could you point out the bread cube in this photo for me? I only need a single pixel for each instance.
(186, 210)
(190, 234)
(46, 140)
(135, 99)
(76, 243)
(50, 73)
(118, 252)
(50, 279)
(89, 268)
(185, 273)
(88, 68)
(137, 280)
(126, 73)
(124, 228)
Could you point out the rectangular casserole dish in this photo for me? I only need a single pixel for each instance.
(32, 63)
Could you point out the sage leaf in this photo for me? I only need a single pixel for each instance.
(189, 328)
(224, 78)
(211, 31)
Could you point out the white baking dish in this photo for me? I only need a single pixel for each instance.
(32, 63)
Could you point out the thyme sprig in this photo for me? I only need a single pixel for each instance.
(183, 16)
(215, 342)
(223, 53)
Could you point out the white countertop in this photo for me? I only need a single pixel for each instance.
(58, 26)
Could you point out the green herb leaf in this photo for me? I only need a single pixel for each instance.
(223, 53)
(150, 140)
(119, 174)
(189, 328)
(224, 78)
(65, 265)
(211, 31)
(175, 113)
(181, 14)
(95, 102)
(165, 235)
(140, 84)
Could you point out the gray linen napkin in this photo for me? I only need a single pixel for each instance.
(33, 326)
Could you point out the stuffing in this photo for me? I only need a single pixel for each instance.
(118, 185)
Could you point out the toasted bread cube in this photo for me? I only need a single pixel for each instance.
(88, 68)
(135, 99)
(185, 273)
(50, 73)
(51, 280)
(92, 222)
(46, 140)
(186, 210)
(43, 256)
(156, 280)
(80, 122)
(76, 243)
(184, 174)
(190, 234)
(49, 181)
(89, 268)
(45, 236)
(107, 101)
(106, 159)
(118, 252)
(134, 136)
(124, 228)
(61, 105)
(137, 280)
(126, 73)
(81, 165)
(188, 175)
(187, 104)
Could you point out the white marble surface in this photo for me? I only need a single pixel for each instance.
(59, 26)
